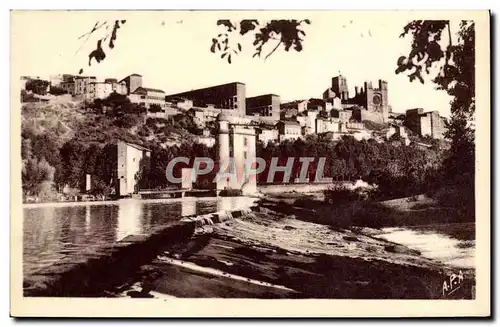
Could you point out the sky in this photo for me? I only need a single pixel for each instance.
(170, 49)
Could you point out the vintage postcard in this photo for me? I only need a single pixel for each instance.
(250, 163)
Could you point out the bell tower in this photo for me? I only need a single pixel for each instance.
(339, 86)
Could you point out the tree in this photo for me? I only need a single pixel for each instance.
(116, 100)
(100, 188)
(73, 163)
(57, 90)
(155, 108)
(455, 68)
(37, 177)
(286, 33)
(37, 86)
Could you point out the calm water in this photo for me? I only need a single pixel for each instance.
(53, 231)
(452, 244)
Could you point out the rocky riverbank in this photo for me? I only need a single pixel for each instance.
(268, 253)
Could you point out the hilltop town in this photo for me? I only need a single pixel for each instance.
(335, 114)
(85, 124)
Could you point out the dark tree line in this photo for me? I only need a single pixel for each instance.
(398, 170)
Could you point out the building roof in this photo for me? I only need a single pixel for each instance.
(137, 146)
(396, 114)
(289, 122)
(84, 77)
(263, 95)
(176, 98)
(143, 90)
(130, 76)
(205, 88)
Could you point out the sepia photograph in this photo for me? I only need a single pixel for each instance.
(270, 159)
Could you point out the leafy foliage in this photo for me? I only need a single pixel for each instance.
(155, 108)
(451, 67)
(455, 66)
(57, 90)
(397, 170)
(37, 174)
(288, 33)
(99, 54)
(28, 97)
(37, 86)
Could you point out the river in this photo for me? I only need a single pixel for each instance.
(52, 231)
(451, 244)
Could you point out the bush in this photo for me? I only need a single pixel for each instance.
(155, 108)
(57, 90)
(231, 192)
(341, 194)
(28, 97)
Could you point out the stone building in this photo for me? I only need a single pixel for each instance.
(289, 130)
(398, 131)
(56, 80)
(83, 84)
(266, 105)
(339, 88)
(99, 90)
(236, 143)
(179, 102)
(230, 97)
(334, 125)
(266, 134)
(132, 82)
(206, 139)
(77, 85)
(118, 87)
(147, 97)
(132, 158)
(209, 114)
(372, 102)
(310, 126)
(342, 115)
(294, 108)
(425, 123)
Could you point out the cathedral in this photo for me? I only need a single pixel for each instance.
(368, 103)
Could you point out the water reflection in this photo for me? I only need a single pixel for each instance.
(188, 207)
(51, 232)
(129, 222)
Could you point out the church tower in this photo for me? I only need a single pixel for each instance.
(377, 102)
(339, 86)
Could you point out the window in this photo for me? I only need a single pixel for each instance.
(245, 141)
(133, 159)
(244, 155)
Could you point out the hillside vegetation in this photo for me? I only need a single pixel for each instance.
(64, 140)
(118, 120)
